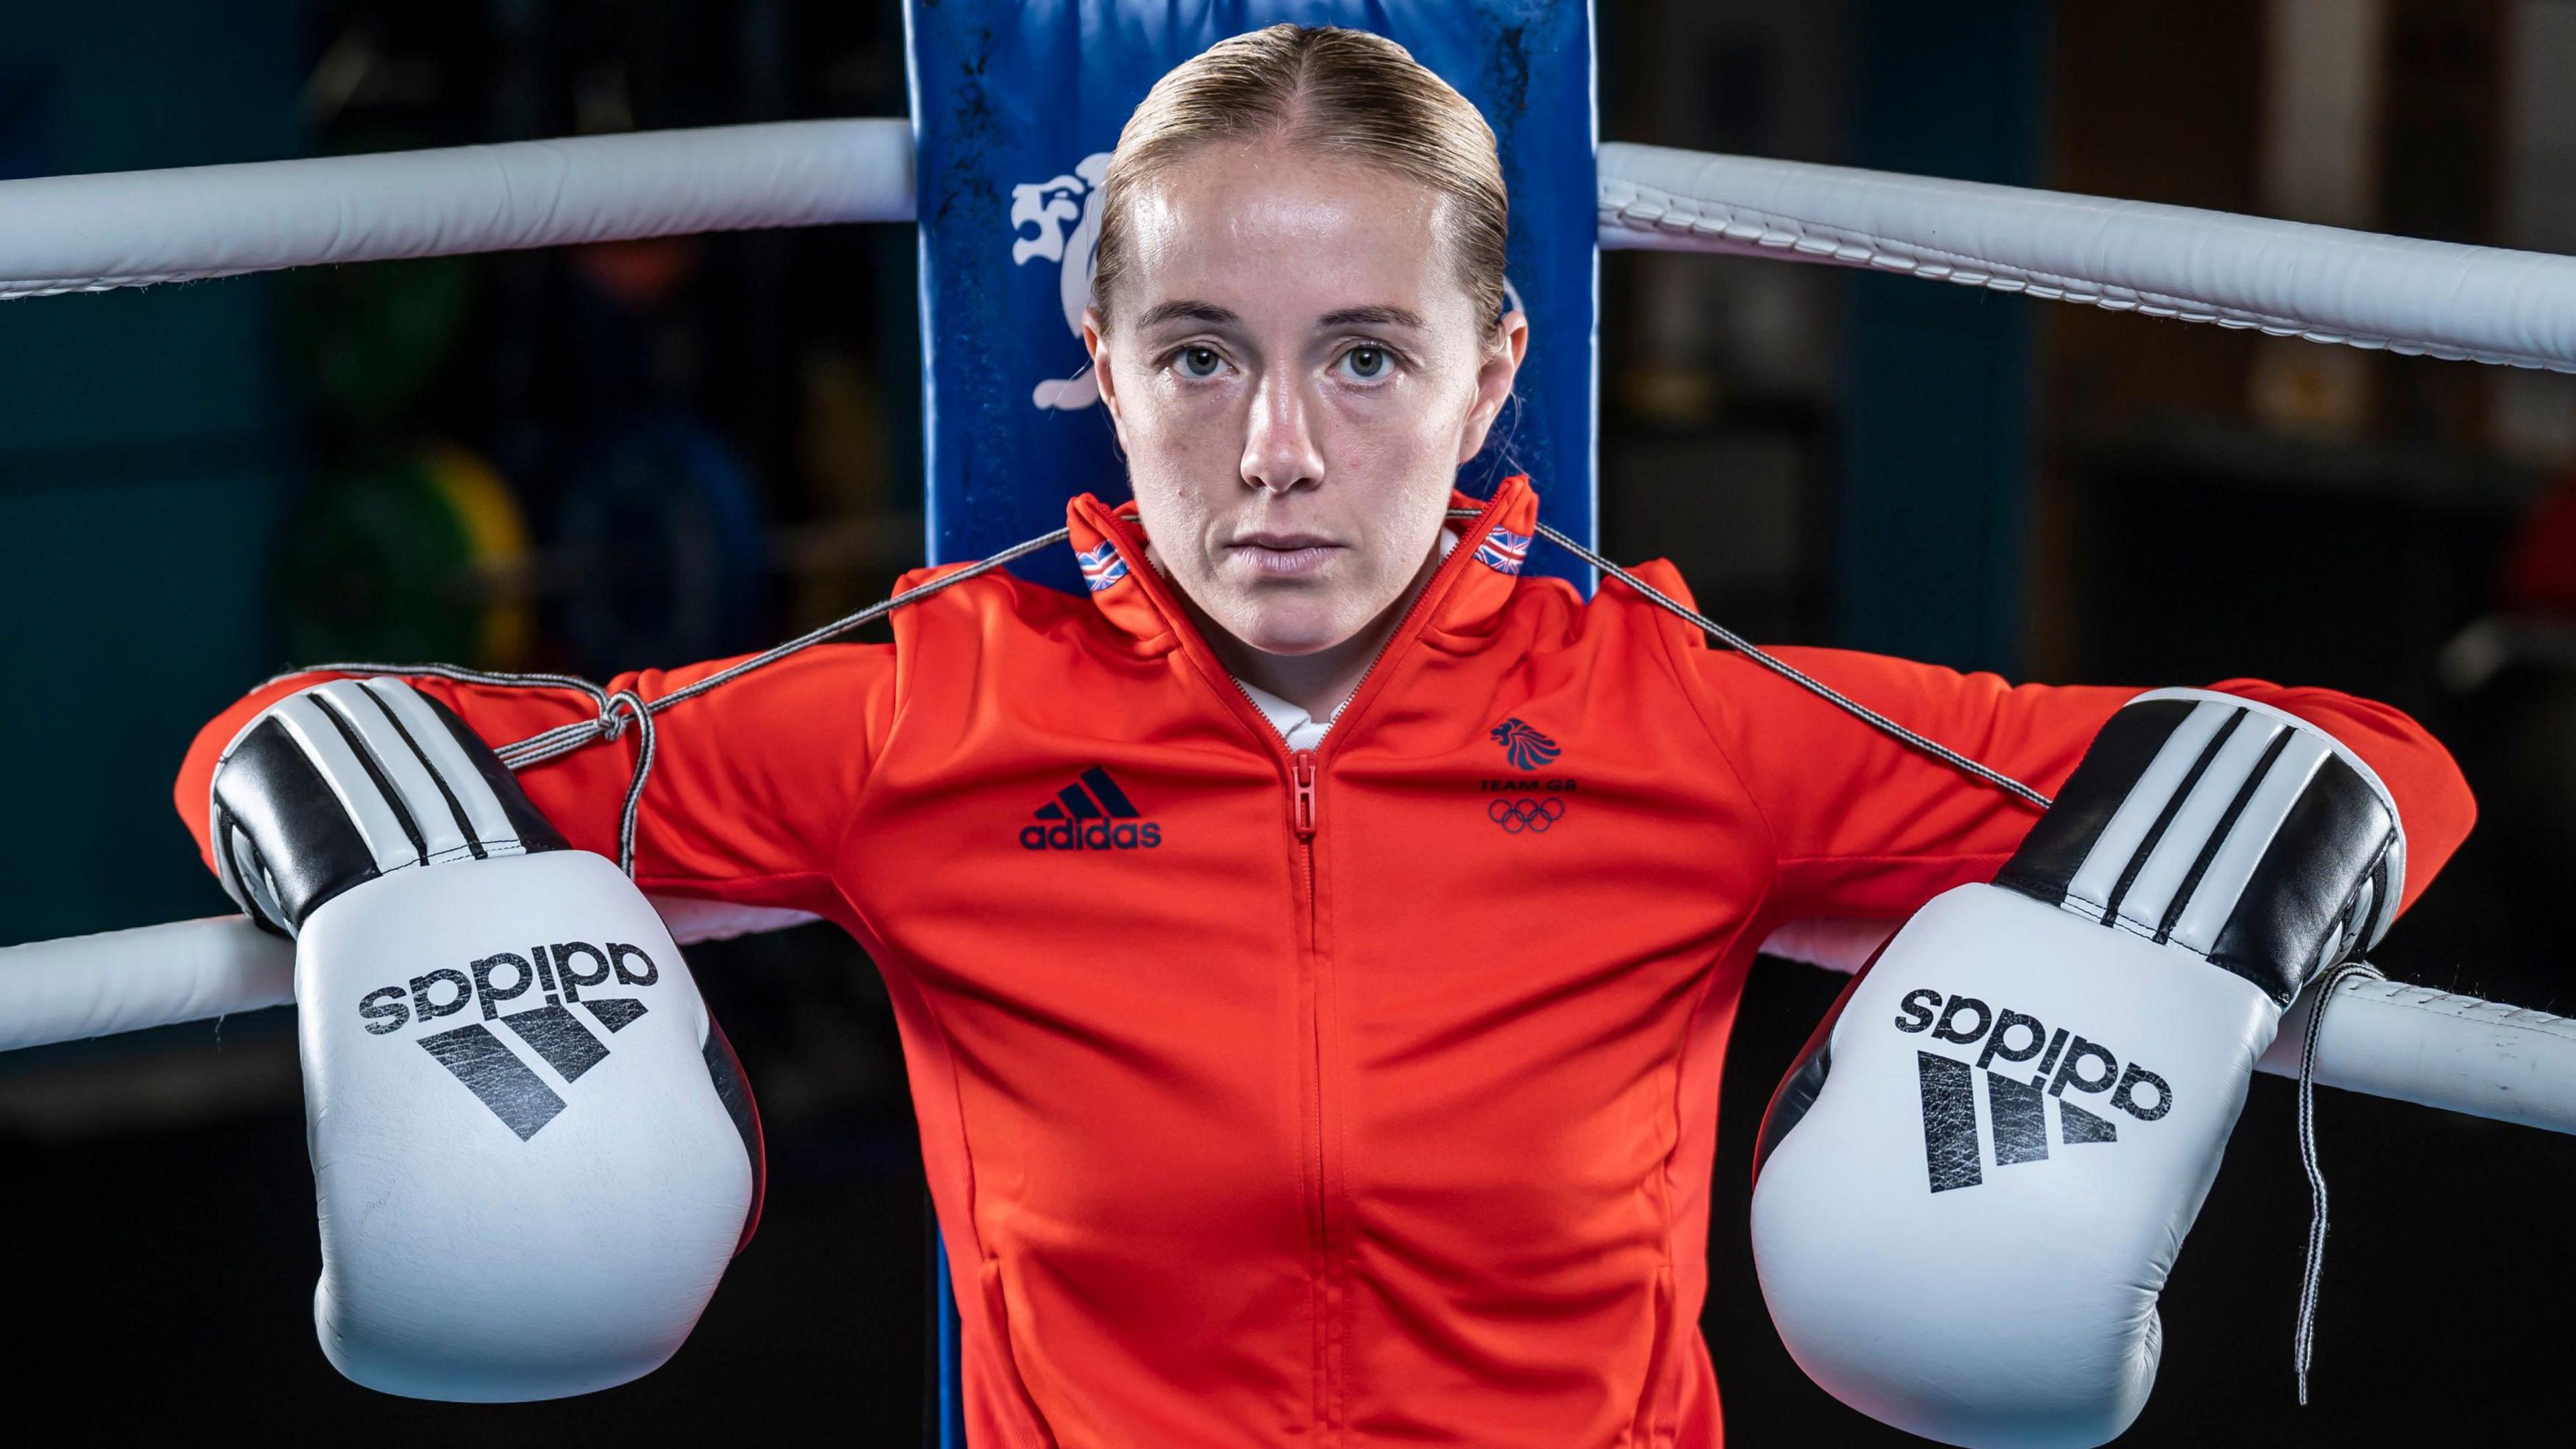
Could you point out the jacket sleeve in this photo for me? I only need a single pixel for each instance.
(752, 783)
(1863, 824)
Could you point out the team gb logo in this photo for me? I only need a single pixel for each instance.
(1043, 210)
(1526, 747)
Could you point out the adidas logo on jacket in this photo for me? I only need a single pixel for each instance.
(1092, 813)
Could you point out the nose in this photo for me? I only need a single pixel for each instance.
(1279, 452)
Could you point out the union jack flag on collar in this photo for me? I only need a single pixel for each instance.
(1101, 567)
(1503, 551)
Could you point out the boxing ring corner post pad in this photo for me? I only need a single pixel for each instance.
(121, 981)
(97, 232)
(2322, 283)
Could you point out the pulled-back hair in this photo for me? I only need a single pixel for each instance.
(1331, 92)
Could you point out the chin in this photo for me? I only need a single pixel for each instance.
(1290, 632)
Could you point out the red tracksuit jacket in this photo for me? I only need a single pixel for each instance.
(1361, 1096)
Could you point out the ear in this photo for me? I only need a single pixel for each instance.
(1505, 346)
(1095, 340)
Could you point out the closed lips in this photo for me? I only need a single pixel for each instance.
(1284, 553)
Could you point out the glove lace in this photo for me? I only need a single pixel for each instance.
(2304, 1343)
(1790, 672)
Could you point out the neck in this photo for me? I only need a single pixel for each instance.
(1321, 682)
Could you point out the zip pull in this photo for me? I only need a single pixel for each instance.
(1302, 765)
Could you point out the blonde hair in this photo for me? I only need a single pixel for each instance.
(1331, 92)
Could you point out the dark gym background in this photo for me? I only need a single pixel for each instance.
(709, 443)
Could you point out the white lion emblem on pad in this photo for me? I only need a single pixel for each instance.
(1040, 212)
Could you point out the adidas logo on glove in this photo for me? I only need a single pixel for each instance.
(485, 1063)
(1092, 813)
(2016, 1106)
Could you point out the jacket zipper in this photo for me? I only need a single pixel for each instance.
(1305, 813)
(1301, 765)
(1301, 822)
(1302, 818)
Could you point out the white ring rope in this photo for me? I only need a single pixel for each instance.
(131, 980)
(2382, 1039)
(2440, 299)
(2290, 279)
(135, 228)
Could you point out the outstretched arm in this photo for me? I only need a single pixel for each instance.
(1866, 826)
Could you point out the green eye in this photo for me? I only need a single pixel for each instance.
(1198, 362)
(1367, 363)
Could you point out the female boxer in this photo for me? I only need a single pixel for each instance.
(1314, 948)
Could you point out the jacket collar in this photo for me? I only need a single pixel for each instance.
(1470, 588)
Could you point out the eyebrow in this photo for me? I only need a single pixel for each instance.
(1207, 312)
(1380, 316)
(1214, 315)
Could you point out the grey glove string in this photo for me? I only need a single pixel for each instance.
(2303, 1344)
(617, 711)
(1790, 672)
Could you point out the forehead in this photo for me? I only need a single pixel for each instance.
(1268, 224)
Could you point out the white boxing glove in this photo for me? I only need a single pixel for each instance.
(1969, 1191)
(533, 1151)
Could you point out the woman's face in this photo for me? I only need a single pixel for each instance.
(1295, 373)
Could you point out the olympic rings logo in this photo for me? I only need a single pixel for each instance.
(1517, 815)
